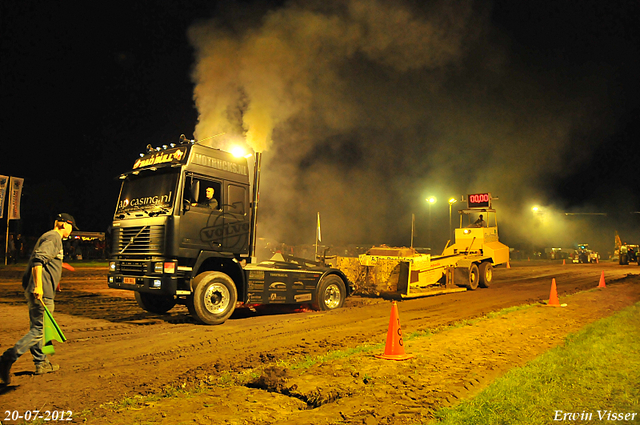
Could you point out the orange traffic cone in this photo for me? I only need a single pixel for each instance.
(553, 296)
(563, 262)
(394, 350)
(508, 265)
(602, 284)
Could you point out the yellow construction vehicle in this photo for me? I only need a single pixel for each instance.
(464, 265)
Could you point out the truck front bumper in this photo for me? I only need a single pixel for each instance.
(161, 284)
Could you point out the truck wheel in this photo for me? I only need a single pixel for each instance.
(467, 277)
(214, 298)
(486, 274)
(152, 303)
(331, 293)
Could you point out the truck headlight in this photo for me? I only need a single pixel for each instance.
(157, 267)
(112, 266)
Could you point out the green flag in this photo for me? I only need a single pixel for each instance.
(51, 332)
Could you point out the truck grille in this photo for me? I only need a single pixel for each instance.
(133, 267)
(140, 240)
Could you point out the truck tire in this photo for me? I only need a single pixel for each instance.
(330, 294)
(152, 303)
(467, 277)
(214, 298)
(485, 269)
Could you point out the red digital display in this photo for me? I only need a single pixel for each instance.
(479, 200)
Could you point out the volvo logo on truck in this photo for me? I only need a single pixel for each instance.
(221, 226)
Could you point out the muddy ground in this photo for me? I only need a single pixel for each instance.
(238, 372)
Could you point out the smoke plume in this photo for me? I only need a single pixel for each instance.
(363, 108)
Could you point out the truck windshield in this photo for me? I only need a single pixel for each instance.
(150, 191)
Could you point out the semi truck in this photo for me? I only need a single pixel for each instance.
(464, 265)
(184, 232)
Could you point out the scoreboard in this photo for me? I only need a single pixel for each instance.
(479, 200)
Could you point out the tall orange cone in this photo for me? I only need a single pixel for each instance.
(563, 262)
(394, 349)
(508, 265)
(602, 284)
(553, 296)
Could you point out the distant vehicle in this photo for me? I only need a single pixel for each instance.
(585, 255)
(628, 253)
(556, 254)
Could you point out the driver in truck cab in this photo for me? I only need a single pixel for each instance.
(209, 201)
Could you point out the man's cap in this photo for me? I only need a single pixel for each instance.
(68, 218)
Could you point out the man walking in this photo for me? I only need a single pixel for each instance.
(40, 280)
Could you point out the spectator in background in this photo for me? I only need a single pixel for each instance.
(12, 250)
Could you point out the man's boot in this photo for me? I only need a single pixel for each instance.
(6, 361)
(46, 367)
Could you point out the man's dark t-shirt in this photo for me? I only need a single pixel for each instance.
(49, 253)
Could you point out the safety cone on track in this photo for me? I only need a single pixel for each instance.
(394, 349)
(602, 284)
(563, 262)
(553, 296)
(508, 265)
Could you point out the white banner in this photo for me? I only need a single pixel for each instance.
(15, 193)
(4, 182)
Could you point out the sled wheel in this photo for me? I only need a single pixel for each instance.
(214, 298)
(331, 293)
(486, 274)
(152, 303)
(467, 277)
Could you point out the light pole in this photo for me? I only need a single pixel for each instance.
(431, 200)
(451, 202)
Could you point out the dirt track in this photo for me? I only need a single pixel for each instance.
(115, 350)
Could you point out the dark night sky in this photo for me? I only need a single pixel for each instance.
(86, 85)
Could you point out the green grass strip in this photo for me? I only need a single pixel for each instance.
(593, 378)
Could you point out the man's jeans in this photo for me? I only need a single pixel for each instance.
(33, 340)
